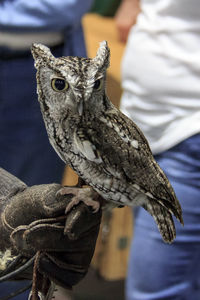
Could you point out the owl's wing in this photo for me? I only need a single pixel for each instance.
(116, 142)
(140, 166)
(119, 145)
(86, 146)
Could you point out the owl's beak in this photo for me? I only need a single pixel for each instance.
(80, 107)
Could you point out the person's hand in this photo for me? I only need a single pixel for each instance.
(126, 17)
(33, 220)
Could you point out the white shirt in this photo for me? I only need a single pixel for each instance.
(161, 72)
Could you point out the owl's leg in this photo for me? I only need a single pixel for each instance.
(85, 194)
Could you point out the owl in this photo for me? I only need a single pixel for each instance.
(103, 146)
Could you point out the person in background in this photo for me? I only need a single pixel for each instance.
(161, 82)
(25, 150)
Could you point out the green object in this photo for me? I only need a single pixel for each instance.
(106, 8)
(122, 243)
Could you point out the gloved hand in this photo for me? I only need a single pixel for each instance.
(33, 220)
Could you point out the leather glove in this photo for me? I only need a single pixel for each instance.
(33, 220)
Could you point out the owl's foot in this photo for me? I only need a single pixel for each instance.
(86, 195)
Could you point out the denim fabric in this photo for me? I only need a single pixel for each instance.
(159, 271)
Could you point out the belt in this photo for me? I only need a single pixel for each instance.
(17, 45)
(23, 41)
(8, 54)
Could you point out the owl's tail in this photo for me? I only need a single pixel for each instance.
(163, 220)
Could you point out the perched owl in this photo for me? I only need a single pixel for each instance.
(104, 147)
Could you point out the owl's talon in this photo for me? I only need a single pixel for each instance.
(86, 196)
(66, 191)
(70, 190)
(95, 205)
(72, 203)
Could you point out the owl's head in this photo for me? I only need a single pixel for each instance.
(70, 83)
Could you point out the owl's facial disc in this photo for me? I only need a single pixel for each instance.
(60, 85)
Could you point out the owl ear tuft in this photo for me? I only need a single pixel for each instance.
(41, 54)
(103, 55)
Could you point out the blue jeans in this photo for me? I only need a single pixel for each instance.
(157, 270)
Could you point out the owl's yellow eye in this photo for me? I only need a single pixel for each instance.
(59, 85)
(98, 84)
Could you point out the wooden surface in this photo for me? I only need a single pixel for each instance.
(111, 254)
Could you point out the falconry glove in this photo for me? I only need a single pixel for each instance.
(33, 224)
